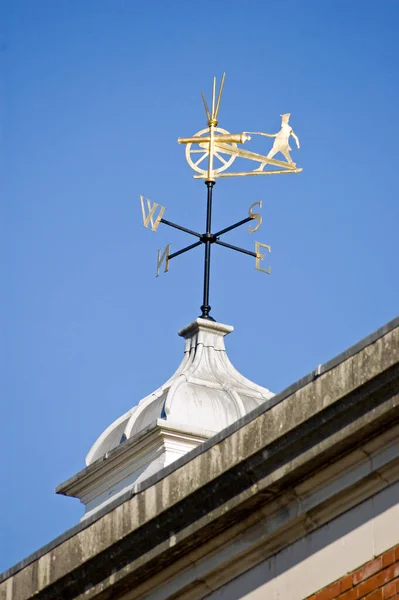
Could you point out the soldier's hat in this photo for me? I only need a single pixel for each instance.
(285, 117)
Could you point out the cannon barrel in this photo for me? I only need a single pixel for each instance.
(237, 138)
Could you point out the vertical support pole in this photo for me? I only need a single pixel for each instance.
(205, 308)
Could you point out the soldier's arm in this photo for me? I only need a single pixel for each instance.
(295, 138)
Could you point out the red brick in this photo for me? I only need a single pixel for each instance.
(376, 595)
(391, 572)
(345, 584)
(329, 592)
(378, 580)
(349, 595)
(373, 581)
(371, 584)
(367, 570)
(388, 558)
(389, 590)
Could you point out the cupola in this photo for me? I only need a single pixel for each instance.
(205, 395)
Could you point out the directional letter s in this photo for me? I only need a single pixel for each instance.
(256, 216)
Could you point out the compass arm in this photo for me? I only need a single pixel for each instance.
(198, 235)
(183, 250)
(242, 222)
(237, 248)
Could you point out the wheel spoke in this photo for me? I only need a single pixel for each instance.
(201, 159)
(221, 158)
(196, 151)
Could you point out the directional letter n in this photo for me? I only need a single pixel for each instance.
(149, 211)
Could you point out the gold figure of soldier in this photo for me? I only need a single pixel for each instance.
(281, 143)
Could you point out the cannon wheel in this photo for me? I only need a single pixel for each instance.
(197, 153)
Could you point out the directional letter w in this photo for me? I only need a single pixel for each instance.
(149, 213)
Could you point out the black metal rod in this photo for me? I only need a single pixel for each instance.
(186, 249)
(222, 231)
(236, 248)
(198, 235)
(205, 308)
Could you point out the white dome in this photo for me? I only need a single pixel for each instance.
(206, 392)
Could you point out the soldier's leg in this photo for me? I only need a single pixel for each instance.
(270, 155)
(286, 154)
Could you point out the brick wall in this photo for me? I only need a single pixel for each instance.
(376, 580)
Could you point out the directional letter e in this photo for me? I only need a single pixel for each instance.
(260, 256)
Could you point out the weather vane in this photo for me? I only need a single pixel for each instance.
(220, 148)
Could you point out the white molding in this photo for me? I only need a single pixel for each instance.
(149, 451)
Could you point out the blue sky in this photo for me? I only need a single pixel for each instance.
(93, 97)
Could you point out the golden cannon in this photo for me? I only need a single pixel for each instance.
(221, 148)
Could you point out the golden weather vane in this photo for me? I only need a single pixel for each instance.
(221, 149)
